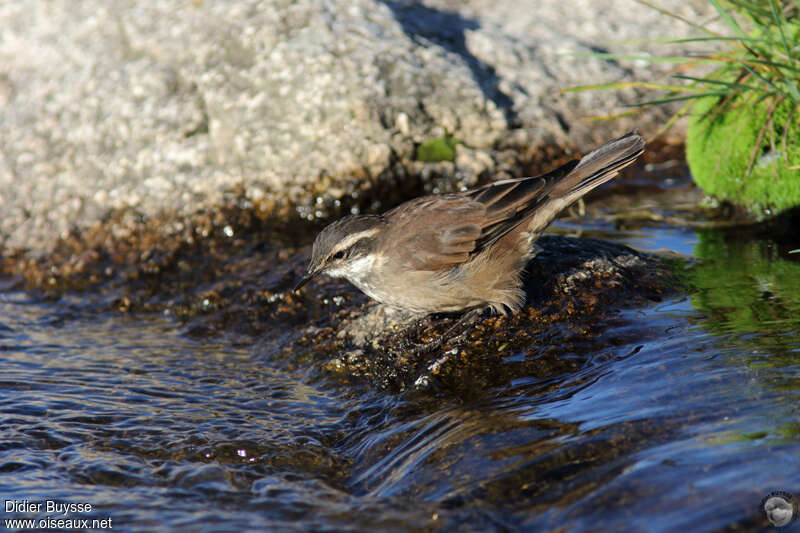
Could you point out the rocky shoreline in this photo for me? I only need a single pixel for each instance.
(179, 160)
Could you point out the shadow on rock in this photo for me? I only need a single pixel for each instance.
(447, 29)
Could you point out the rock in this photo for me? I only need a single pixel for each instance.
(571, 285)
(165, 110)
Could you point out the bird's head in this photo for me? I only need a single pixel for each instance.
(340, 248)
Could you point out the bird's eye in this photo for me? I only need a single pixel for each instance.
(339, 254)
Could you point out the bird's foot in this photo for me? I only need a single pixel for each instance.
(453, 335)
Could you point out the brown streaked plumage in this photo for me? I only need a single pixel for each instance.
(453, 252)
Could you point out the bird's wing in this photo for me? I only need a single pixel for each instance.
(435, 232)
(538, 200)
(440, 231)
(509, 202)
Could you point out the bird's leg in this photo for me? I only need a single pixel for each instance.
(458, 326)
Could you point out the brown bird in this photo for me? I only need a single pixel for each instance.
(466, 250)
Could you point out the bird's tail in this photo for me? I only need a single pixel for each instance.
(592, 170)
(599, 166)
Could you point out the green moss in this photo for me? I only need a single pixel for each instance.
(719, 149)
(436, 150)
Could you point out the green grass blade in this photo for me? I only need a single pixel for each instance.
(676, 16)
(792, 89)
(732, 85)
(678, 98)
(627, 85)
(727, 18)
(789, 81)
(685, 108)
(793, 68)
(763, 79)
(794, 92)
(615, 116)
(779, 22)
(751, 8)
(724, 39)
(760, 56)
(649, 59)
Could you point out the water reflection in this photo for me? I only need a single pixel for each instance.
(680, 414)
(747, 286)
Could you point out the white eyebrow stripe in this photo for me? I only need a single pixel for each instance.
(350, 240)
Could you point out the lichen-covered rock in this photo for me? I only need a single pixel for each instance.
(114, 113)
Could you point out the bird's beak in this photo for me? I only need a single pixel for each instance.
(305, 279)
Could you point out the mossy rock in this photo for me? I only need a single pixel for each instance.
(437, 150)
(720, 145)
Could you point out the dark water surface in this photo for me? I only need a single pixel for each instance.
(683, 418)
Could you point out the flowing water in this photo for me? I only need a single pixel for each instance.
(684, 418)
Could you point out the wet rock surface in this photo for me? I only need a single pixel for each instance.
(231, 275)
(573, 286)
(240, 288)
